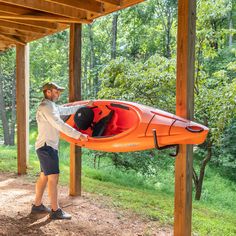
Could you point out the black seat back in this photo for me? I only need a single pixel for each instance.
(101, 125)
(84, 118)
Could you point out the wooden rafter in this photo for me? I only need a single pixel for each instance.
(43, 25)
(113, 2)
(16, 32)
(88, 5)
(13, 39)
(33, 29)
(41, 5)
(109, 8)
(44, 18)
(12, 9)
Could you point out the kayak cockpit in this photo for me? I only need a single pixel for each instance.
(104, 120)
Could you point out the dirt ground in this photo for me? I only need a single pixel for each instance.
(91, 215)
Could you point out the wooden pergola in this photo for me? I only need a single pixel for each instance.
(22, 21)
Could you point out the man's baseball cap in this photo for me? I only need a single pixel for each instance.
(52, 85)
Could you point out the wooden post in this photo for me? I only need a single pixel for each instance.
(184, 108)
(22, 107)
(75, 95)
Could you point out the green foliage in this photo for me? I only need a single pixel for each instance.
(151, 83)
(48, 62)
(225, 159)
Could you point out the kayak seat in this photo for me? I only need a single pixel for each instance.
(83, 118)
(112, 128)
(100, 127)
(88, 120)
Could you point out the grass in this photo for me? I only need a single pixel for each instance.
(151, 197)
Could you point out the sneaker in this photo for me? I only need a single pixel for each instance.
(59, 214)
(40, 209)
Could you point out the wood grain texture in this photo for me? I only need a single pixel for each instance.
(74, 95)
(22, 107)
(185, 108)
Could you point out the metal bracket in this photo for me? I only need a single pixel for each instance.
(165, 147)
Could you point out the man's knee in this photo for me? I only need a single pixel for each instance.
(53, 178)
(43, 176)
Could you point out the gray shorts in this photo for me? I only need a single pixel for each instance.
(49, 161)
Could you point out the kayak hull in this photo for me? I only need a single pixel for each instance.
(134, 127)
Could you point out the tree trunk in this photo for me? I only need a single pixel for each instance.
(93, 62)
(13, 113)
(168, 35)
(86, 85)
(3, 113)
(92, 54)
(167, 11)
(198, 181)
(114, 35)
(230, 28)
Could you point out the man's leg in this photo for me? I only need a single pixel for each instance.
(57, 212)
(52, 190)
(39, 188)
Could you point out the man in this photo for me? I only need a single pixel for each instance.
(49, 126)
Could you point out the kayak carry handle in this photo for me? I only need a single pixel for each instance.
(194, 129)
(165, 147)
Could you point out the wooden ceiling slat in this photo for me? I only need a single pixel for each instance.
(12, 38)
(44, 18)
(87, 5)
(26, 28)
(108, 8)
(113, 2)
(41, 5)
(13, 9)
(16, 32)
(43, 25)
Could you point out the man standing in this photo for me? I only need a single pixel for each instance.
(49, 126)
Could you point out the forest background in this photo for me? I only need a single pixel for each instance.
(131, 55)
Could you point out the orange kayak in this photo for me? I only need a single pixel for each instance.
(119, 126)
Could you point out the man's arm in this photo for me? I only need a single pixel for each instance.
(72, 109)
(54, 119)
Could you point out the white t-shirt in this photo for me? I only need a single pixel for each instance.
(50, 124)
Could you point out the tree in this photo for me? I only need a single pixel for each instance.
(114, 35)
(167, 10)
(8, 95)
(213, 78)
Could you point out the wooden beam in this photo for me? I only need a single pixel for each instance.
(33, 29)
(4, 45)
(112, 2)
(12, 39)
(42, 25)
(41, 5)
(87, 5)
(13, 9)
(16, 32)
(184, 108)
(46, 18)
(109, 8)
(22, 106)
(75, 95)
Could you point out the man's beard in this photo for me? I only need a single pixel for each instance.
(54, 99)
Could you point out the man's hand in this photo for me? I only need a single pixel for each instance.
(83, 137)
(90, 103)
